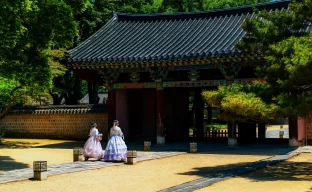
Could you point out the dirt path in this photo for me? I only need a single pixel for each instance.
(152, 175)
(20, 153)
(145, 176)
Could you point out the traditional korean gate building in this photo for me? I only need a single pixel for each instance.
(150, 62)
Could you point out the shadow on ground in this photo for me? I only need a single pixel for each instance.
(28, 144)
(63, 145)
(208, 171)
(286, 171)
(218, 148)
(8, 164)
(17, 145)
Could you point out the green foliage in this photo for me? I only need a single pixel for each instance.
(216, 126)
(238, 105)
(280, 37)
(30, 30)
(6, 86)
(221, 4)
(172, 6)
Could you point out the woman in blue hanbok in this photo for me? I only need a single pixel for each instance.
(116, 149)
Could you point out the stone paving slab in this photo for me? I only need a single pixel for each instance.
(240, 170)
(24, 174)
(305, 149)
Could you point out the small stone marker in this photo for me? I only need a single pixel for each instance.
(147, 145)
(281, 126)
(40, 170)
(131, 157)
(281, 134)
(78, 154)
(193, 147)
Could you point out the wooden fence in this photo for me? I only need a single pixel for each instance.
(214, 133)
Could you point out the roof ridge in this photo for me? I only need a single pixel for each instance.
(203, 14)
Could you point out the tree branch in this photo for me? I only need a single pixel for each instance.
(8, 106)
(16, 88)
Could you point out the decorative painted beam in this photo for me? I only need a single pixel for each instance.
(176, 64)
(168, 84)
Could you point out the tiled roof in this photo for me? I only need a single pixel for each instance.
(148, 37)
(60, 109)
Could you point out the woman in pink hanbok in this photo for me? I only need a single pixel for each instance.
(116, 149)
(92, 147)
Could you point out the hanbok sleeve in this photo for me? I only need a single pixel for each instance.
(121, 134)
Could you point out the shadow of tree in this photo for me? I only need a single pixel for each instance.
(17, 144)
(63, 145)
(8, 164)
(217, 148)
(208, 171)
(287, 171)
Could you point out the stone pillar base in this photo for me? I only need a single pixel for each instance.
(293, 143)
(131, 160)
(40, 175)
(78, 158)
(232, 142)
(160, 140)
(193, 150)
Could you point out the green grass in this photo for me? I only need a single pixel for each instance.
(216, 125)
(212, 125)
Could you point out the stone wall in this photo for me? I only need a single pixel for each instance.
(51, 123)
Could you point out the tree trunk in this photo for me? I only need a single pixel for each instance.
(232, 140)
(209, 112)
(293, 131)
(73, 93)
(93, 93)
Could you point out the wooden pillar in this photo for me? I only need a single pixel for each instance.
(148, 114)
(160, 115)
(261, 130)
(293, 131)
(232, 139)
(111, 108)
(199, 114)
(93, 93)
(122, 110)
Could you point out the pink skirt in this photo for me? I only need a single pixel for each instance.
(93, 148)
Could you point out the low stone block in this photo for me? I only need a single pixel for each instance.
(193, 147)
(147, 145)
(78, 158)
(40, 175)
(131, 160)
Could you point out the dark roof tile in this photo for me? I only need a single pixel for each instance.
(60, 109)
(146, 37)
